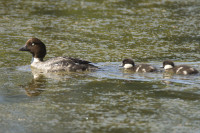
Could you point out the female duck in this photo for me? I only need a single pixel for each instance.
(38, 50)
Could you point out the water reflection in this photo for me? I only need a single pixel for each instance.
(40, 79)
(108, 98)
(167, 77)
(171, 78)
(36, 86)
(173, 94)
(110, 70)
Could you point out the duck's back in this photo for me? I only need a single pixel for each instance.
(144, 68)
(184, 69)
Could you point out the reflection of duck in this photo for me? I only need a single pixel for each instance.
(129, 64)
(181, 69)
(36, 86)
(167, 77)
(38, 50)
(38, 83)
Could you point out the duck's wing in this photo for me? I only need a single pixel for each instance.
(77, 60)
(71, 64)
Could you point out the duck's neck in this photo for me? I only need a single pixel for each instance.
(35, 60)
(126, 66)
(168, 67)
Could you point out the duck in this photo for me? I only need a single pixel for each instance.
(38, 50)
(170, 67)
(128, 64)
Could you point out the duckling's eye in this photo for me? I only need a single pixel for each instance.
(33, 44)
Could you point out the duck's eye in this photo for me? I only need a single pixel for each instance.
(33, 44)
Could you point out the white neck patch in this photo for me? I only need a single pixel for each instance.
(35, 60)
(168, 67)
(128, 66)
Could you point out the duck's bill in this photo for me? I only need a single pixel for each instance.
(23, 49)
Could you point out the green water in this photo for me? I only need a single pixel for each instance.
(104, 32)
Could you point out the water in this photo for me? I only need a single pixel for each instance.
(104, 32)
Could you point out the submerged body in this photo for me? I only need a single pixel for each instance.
(68, 64)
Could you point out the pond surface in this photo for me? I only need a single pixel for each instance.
(104, 32)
